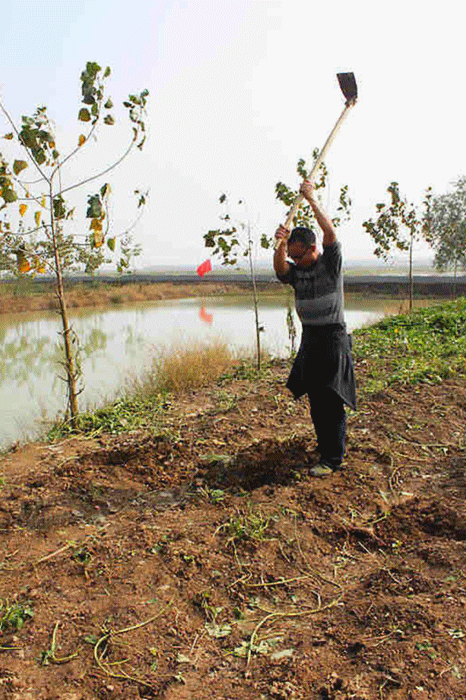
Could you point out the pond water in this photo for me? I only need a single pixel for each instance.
(118, 343)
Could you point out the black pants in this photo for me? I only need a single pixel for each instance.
(329, 417)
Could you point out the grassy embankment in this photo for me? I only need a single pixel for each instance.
(428, 345)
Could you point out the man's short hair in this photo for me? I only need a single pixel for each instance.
(302, 234)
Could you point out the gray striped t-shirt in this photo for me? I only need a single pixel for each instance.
(319, 289)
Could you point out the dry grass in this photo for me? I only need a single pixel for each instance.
(27, 298)
(178, 369)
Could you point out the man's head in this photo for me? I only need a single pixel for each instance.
(302, 247)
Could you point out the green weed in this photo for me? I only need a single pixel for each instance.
(252, 526)
(14, 615)
(427, 345)
(213, 495)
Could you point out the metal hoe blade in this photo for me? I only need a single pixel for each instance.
(348, 86)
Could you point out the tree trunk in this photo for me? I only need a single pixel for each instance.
(254, 294)
(70, 362)
(411, 276)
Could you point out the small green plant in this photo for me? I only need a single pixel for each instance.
(161, 547)
(14, 615)
(251, 526)
(428, 648)
(213, 495)
(203, 601)
(82, 555)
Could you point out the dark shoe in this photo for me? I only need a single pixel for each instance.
(321, 470)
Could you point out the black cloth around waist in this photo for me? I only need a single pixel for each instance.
(324, 361)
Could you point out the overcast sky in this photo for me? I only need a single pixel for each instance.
(239, 90)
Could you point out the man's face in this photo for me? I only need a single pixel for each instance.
(302, 255)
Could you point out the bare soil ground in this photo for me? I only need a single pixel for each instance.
(201, 561)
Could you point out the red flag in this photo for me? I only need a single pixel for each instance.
(204, 267)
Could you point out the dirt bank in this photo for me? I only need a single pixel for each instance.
(201, 561)
(105, 296)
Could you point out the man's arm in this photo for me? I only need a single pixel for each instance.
(280, 264)
(307, 190)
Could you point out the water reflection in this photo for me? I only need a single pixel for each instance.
(206, 317)
(118, 343)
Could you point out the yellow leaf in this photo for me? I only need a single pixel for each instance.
(81, 140)
(42, 202)
(9, 136)
(98, 239)
(23, 263)
(95, 225)
(37, 216)
(23, 209)
(111, 243)
(39, 265)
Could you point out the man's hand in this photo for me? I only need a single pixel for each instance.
(325, 223)
(281, 235)
(307, 190)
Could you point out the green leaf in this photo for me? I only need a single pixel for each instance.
(19, 165)
(109, 120)
(108, 104)
(59, 209)
(9, 136)
(84, 115)
(94, 209)
(111, 244)
(9, 196)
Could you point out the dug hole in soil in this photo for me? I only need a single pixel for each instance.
(201, 561)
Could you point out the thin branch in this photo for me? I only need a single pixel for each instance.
(74, 151)
(96, 177)
(133, 225)
(24, 233)
(30, 197)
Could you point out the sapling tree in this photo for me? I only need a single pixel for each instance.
(229, 242)
(447, 228)
(42, 229)
(398, 225)
(304, 215)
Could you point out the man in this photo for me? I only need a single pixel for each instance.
(323, 367)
